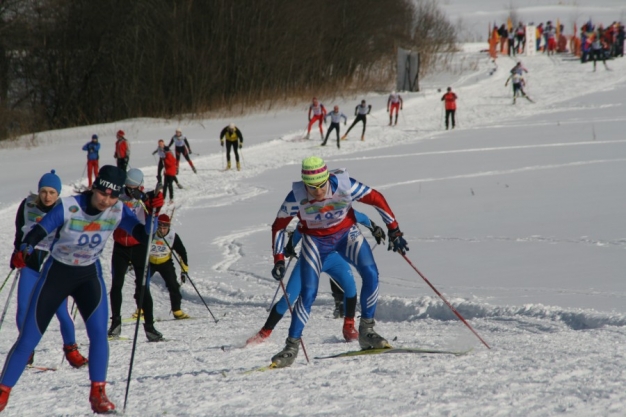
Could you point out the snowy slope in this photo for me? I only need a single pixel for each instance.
(515, 216)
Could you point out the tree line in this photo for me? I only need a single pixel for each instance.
(66, 63)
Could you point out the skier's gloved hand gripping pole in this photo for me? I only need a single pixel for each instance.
(183, 268)
(140, 304)
(397, 243)
(291, 253)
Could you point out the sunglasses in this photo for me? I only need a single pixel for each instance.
(318, 186)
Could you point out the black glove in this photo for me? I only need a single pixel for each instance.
(289, 250)
(396, 242)
(137, 194)
(377, 232)
(279, 270)
(240, 145)
(183, 277)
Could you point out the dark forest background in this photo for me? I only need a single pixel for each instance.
(66, 63)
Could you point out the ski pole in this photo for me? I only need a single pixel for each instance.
(282, 285)
(223, 158)
(181, 267)
(444, 300)
(6, 305)
(6, 279)
(278, 288)
(198, 292)
(139, 305)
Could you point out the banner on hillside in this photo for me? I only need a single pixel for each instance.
(531, 40)
(407, 70)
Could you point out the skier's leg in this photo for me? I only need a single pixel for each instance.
(90, 298)
(138, 260)
(25, 285)
(119, 266)
(310, 270)
(355, 249)
(46, 297)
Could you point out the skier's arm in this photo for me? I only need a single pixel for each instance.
(369, 109)
(239, 135)
(96, 147)
(51, 221)
(171, 142)
(180, 249)
(356, 110)
(401, 102)
(86, 147)
(288, 210)
(187, 145)
(223, 132)
(364, 194)
(310, 107)
(133, 226)
(345, 118)
(19, 224)
(377, 232)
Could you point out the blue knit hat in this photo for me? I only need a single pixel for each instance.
(51, 180)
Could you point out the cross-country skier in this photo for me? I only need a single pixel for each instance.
(317, 113)
(169, 164)
(32, 209)
(518, 69)
(164, 241)
(597, 49)
(322, 201)
(234, 140)
(518, 86)
(335, 119)
(394, 102)
(340, 273)
(360, 111)
(182, 148)
(81, 226)
(122, 150)
(128, 250)
(92, 149)
(160, 150)
(449, 99)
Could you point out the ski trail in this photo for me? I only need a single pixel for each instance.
(502, 172)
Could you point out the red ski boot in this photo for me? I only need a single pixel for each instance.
(259, 337)
(349, 332)
(74, 357)
(100, 404)
(4, 396)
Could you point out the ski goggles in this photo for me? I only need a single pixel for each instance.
(318, 186)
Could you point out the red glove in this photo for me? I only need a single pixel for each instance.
(17, 260)
(156, 202)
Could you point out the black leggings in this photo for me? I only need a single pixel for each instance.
(122, 257)
(359, 118)
(333, 126)
(168, 273)
(232, 144)
(450, 115)
(168, 185)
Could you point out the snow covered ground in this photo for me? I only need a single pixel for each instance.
(516, 217)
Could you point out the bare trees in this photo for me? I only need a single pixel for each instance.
(71, 62)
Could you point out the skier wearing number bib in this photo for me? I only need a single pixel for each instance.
(322, 201)
(341, 276)
(130, 251)
(81, 226)
(164, 241)
(31, 211)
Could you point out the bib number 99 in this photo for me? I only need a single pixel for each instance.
(92, 241)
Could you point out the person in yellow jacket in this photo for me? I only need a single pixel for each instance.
(164, 241)
(234, 140)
